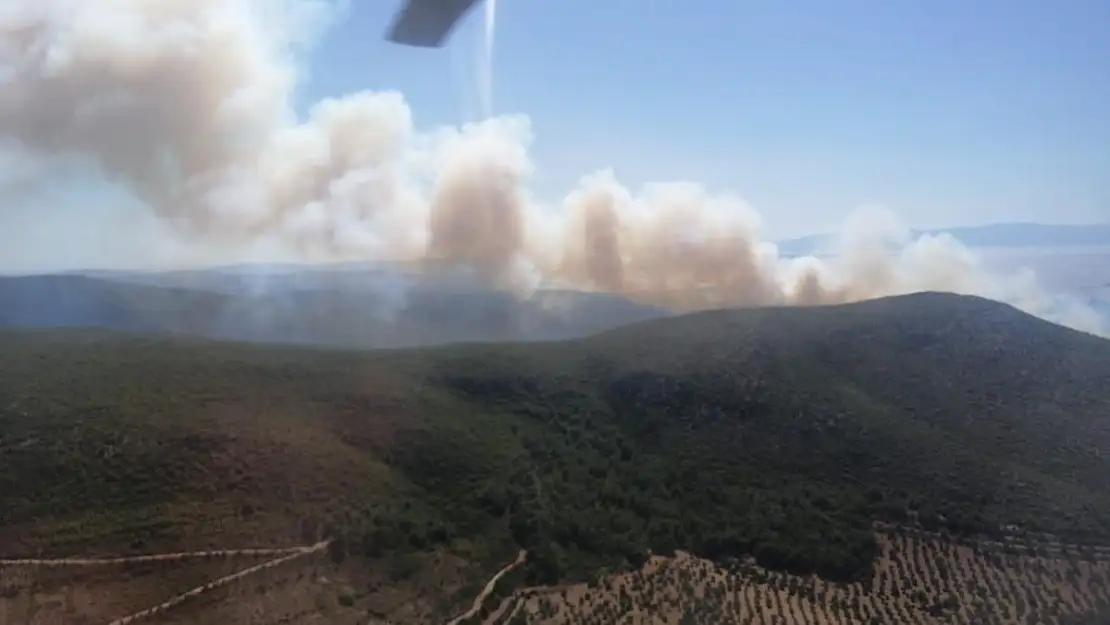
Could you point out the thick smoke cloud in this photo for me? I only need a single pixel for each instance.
(188, 104)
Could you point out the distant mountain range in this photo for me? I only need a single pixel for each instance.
(1002, 235)
(329, 306)
(362, 305)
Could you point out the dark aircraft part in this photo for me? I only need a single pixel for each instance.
(427, 23)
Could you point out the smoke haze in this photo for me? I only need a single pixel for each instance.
(187, 105)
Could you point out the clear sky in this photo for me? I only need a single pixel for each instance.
(950, 112)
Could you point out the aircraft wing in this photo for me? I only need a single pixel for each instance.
(427, 23)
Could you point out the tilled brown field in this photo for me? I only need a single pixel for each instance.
(919, 580)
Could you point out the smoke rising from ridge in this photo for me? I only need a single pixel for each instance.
(188, 104)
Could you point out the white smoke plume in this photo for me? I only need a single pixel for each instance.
(188, 104)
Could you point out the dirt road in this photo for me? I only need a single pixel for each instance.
(223, 581)
(477, 605)
(155, 557)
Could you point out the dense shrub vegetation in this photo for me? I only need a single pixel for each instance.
(782, 434)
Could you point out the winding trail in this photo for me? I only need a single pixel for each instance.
(477, 605)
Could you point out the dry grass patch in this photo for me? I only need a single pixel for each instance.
(72, 595)
(402, 588)
(428, 588)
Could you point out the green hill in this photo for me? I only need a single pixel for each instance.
(783, 433)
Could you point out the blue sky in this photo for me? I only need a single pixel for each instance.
(950, 112)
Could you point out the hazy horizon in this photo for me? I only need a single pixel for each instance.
(152, 133)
